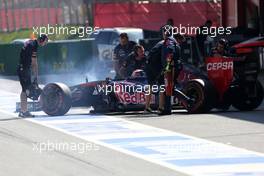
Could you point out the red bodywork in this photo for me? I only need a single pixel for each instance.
(247, 46)
(220, 72)
(220, 69)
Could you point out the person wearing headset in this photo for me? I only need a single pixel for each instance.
(27, 64)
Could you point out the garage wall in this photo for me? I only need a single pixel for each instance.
(154, 15)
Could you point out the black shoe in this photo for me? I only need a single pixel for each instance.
(25, 114)
(163, 112)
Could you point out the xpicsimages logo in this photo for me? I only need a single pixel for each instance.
(81, 31)
(50, 146)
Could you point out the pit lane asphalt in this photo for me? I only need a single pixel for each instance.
(17, 137)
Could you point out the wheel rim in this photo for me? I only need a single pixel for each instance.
(193, 91)
(52, 99)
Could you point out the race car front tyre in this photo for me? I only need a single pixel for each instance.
(56, 99)
(202, 94)
(245, 101)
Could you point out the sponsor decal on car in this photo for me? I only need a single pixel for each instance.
(135, 98)
(220, 65)
(220, 72)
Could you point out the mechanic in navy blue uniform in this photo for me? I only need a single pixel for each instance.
(27, 63)
(153, 63)
(121, 52)
(169, 48)
(169, 22)
(153, 68)
(201, 38)
(136, 60)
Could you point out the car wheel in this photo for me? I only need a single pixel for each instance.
(244, 102)
(225, 102)
(55, 99)
(203, 101)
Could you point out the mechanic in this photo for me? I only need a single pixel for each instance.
(201, 38)
(221, 49)
(179, 40)
(170, 55)
(171, 64)
(153, 69)
(28, 62)
(135, 60)
(169, 22)
(121, 51)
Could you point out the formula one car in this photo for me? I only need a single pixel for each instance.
(225, 82)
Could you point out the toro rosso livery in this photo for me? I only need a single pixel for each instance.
(226, 81)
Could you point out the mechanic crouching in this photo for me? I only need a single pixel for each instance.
(136, 60)
(121, 51)
(27, 63)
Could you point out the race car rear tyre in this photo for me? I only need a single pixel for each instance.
(56, 99)
(202, 94)
(243, 102)
(225, 102)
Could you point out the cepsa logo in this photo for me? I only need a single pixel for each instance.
(220, 66)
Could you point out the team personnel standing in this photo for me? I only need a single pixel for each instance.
(170, 60)
(153, 70)
(168, 52)
(28, 63)
(169, 22)
(121, 51)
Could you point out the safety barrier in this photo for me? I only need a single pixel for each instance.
(9, 55)
(56, 57)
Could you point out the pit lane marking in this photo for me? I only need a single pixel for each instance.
(180, 152)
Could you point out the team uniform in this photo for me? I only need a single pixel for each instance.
(28, 51)
(170, 54)
(121, 53)
(131, 64)
(164, 58)
(153, 64)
